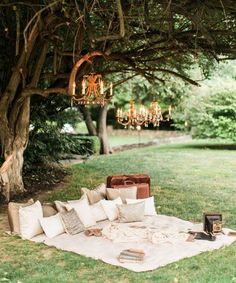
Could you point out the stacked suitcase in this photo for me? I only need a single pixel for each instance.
(141, 181)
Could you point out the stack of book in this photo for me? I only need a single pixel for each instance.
(131, 255)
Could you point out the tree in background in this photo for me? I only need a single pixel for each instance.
(210, 111)
(48, 139)
(41, 41)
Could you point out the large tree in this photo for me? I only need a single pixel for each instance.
(41, 40)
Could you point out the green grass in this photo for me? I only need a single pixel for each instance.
(121, 140)
(187, 179)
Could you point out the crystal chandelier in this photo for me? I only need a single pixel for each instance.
(155, 114)
(92, 91)
(133, 119)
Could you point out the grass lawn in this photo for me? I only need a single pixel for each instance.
(187, 179)
(121, 140)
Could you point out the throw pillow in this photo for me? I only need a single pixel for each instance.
(84, 212)
(48, 209)
(96, 194)
(52, 226)
(29, 220)
(60, 206)
(13, 215)
(110, 208)
(71, 222)
(98, 211)
(123, 193)
(149, 205)
(131, 212)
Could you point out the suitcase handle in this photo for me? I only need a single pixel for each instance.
(129, 182)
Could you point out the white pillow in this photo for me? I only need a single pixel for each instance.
(29, 220)
(52, 226)
(84, 211)
(110, 208)
(149, 205)
(98, 211)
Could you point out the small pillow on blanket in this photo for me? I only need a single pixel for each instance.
(131, 212)
(110, 208)
(52, 226)
(149, 205)
(98, 211)
(29, 220)
(123, 193)
(13, 214)
(71, 222)
(84, 211)
(95, 195)
(49, 209)
(60, 205)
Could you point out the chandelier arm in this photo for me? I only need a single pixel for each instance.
(85, 58)
(123, 123)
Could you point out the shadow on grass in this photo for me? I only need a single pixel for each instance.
(213, 146)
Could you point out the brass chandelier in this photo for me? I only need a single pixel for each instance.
(92, 91)
(135, 119)
(131, 118)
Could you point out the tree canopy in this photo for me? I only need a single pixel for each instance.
(145, 37)
(41, 41)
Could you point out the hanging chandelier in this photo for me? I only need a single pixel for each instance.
(155, 114)
(132, 118)
(93, 91)
(135, 119)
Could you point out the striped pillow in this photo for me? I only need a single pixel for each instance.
(71, 222)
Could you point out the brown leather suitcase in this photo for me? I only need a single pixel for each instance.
(142, 181)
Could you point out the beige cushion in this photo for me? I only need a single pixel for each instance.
(96, 194)
(60, 206)
(29, 220)
(84, 211)
(71, 222)
(52, 226)
(98, 211)
(123, 193)
(49, 209)
(149, 205)
(131, 212)
(110, 208)
(13, 214)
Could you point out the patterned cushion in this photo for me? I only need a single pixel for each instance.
(84, 211)
(71, 222)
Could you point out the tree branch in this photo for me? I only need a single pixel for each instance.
(121, 18)
(43, 92)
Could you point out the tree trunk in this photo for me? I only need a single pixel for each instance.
(14, 142)
(102, 131)
(88, 121)
(15, 116)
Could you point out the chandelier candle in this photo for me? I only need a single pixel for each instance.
(92, 91)
(134, 119)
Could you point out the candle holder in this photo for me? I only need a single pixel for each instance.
(93, 91)
(133, 119)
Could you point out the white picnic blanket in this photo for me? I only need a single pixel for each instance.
(163, 239)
